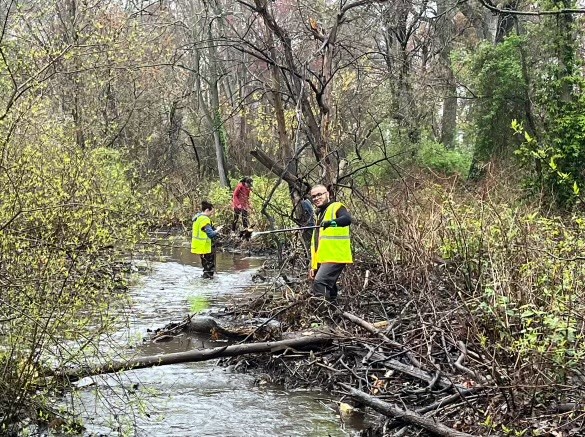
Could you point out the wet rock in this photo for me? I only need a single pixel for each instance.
(202, 324)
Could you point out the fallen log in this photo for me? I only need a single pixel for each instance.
(405, 415)
(415, 372)
(194, 356)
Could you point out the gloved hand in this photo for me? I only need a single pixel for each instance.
(329, 223)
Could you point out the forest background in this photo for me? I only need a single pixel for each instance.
(453, 130)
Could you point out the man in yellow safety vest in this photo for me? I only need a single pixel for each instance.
(330, 245)
(202, 238)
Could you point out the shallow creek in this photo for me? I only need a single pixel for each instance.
(195, 399)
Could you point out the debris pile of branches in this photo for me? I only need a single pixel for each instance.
(402, 348)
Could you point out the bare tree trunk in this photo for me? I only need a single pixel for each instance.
(280, 171)
(69, 19)
(325, 105)
(481, 18)
(210, 106)
(175, 127)
(289, 158)
(211, 110)
(216, 121)
(397, 38)
(446, 30)
(506, 22)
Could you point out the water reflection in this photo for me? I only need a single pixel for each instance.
(180, 251)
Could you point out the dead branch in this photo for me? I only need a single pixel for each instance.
(372, 329)
(280, 171)
(413, 371)
(459, 364)
(404, 415)
(460, 393)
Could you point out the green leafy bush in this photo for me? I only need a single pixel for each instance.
(435, 156)
(556, 151)
(500, 91)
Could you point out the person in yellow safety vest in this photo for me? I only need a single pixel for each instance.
(330, 244)
(204, 233)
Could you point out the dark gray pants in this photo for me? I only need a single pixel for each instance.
(325, 283)
(237, 213)
(208, 264)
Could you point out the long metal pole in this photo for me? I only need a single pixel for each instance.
(304, 228)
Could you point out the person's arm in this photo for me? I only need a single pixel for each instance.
(342, 219)
(211, 233)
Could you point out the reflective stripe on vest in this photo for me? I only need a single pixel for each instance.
(200, 242)
(334, 243)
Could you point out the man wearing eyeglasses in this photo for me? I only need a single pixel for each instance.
(330, 245)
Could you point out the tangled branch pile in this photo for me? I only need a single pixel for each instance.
(470, 314)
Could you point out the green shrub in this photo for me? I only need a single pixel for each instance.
(65, 216)
(524, 279)
(435, 156)
(500, 91)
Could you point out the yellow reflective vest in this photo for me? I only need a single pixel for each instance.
(200, 242)
(334, 243)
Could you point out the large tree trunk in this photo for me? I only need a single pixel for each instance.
(217, 121)
(210, 106)
(506, 22)
(289, 159)
(212, 114)
(446, 30)
(397, 39)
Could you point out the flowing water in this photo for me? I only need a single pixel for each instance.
(195, 399)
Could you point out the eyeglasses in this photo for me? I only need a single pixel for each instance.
(317, 195)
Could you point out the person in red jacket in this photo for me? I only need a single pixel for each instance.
(241, 202)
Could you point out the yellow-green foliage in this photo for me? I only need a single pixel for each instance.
(162, 208)
(264, 122)
(64, 213)
(525, 277)
(221, 197)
